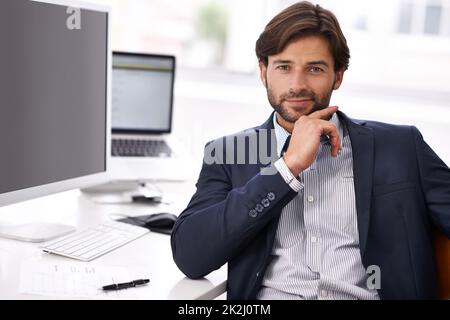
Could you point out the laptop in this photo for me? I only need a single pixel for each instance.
(142, 147)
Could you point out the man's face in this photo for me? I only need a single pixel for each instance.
(301, 79)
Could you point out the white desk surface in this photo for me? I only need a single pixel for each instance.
(149, 256)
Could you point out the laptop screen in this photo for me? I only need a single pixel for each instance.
(142, 93)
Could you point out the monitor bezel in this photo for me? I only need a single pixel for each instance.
(150, 55)
(21, 195)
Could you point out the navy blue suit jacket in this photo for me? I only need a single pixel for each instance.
(402, 192)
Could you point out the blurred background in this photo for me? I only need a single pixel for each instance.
(399, 67)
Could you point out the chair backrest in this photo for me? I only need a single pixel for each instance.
(442, 251)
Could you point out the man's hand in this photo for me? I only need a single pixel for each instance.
(305, 139)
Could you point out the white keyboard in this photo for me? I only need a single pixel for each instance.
(94, 241)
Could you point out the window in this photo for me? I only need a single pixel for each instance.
(406, 17)
(360, 22)
(429, 17)
(433, 15)
(195, 31)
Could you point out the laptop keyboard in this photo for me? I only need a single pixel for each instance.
(92, 242)
(140, 148)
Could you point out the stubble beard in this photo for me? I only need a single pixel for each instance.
(284, 112)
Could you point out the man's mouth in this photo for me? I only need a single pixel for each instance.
(299, 102)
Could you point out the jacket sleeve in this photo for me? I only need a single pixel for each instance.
(220, 220)
(435, 181)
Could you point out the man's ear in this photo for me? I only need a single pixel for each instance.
(263, 73)
(338, 79)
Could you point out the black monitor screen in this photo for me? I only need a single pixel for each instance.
(53, 86)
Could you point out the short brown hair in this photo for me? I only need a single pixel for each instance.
(300, 20)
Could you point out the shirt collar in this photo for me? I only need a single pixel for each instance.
(282, 134)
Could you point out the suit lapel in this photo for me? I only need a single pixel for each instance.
(268, 124)
(267, 130)
(272, 150)
(362, 141)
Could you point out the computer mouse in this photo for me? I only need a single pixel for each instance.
(160, 222)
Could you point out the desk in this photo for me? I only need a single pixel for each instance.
(149, 255)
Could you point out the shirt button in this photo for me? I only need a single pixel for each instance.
(271, 196)
(310, 199)
(253, 213)
(265, 203)
(324, 293)
(313, 239)
(259, 208)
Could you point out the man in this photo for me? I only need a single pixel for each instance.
(346, 208)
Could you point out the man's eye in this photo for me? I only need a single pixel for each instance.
(283, 68)
(315, 69)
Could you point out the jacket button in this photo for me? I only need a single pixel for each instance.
(259, 208)
(271, 196)
(253, 213)
(265, 203)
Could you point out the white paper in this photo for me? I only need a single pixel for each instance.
(73, 280)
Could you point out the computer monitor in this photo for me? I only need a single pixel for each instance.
(142, 93)
(55, 126)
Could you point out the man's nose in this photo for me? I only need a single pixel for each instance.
(299, 82)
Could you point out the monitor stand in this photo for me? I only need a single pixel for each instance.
(115, 187)
(117, 192)
(35, 232)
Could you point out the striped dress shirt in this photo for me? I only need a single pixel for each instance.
(316, 253)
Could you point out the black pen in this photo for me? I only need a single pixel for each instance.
(119, 286)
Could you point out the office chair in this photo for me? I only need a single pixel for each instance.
(442, 251)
